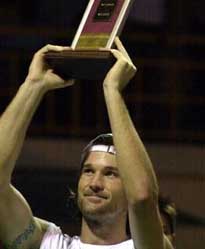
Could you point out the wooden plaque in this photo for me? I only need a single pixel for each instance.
(102, 21)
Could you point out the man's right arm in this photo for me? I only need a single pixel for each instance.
(18, 227)
(17, 224)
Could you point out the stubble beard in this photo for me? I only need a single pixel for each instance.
(92, 213)
(98, 216)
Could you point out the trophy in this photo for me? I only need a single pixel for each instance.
(102, 21)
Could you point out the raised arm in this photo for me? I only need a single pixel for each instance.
(18, 227)
(133, 162)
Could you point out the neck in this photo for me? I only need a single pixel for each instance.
(103, 234)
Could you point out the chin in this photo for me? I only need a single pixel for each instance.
(95, 212)
(97, 218)
(93, 206)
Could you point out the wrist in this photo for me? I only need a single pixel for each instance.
(111, 89)
(35, 86)
(111, 86)
(112, 94)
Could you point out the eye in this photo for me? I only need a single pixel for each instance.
(111, 173)
(87, 171)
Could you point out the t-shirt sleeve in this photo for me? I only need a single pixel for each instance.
(54, 239)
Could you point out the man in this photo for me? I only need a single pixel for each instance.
(169, 215)
(112, 185)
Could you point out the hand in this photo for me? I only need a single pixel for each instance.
(40, 73)
(122, 71)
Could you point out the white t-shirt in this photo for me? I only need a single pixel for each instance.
(55, 239)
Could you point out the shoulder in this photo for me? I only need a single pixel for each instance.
(54, 238)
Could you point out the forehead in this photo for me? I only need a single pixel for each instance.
(100, 159)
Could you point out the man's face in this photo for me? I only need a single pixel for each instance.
(100, 190)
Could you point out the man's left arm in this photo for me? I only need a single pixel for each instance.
(133, 162)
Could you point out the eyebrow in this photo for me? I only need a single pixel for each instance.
(88, 165)
(111, 168)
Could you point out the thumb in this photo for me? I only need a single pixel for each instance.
(69, 82)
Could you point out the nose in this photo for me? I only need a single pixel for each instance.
(96, 183)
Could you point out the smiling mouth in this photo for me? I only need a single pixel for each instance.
(95, 198)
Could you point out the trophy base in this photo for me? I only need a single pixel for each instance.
(81, 64)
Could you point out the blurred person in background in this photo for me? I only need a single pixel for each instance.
(168, 214)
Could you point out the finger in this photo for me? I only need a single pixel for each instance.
(66, 82)
(104, 49)
(121, 48)
(118, 55)
(122, 60)
(70, 82)
(38, 58)
(56, 48)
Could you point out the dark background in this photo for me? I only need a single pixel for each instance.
(166, 42)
